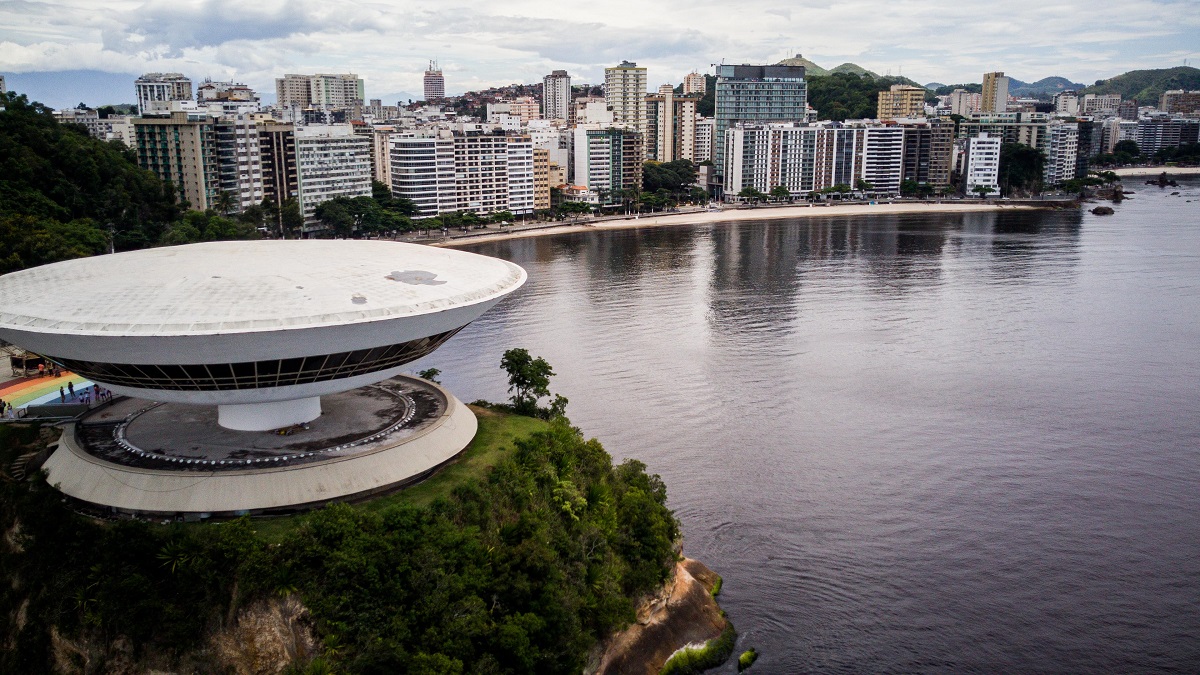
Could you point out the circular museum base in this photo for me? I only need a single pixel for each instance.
(167, 459)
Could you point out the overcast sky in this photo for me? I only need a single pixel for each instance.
(480, 44)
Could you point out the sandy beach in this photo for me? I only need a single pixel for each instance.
(729, 215)
(1156, 170)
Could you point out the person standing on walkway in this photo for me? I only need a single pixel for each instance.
(71, 390)
(62, 395)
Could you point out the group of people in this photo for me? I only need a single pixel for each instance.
(6, 410)
(86, 395)
(52, 371)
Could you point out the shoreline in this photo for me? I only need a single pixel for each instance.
(732, 215)
(1156, 170)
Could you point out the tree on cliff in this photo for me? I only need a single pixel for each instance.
(529, 382)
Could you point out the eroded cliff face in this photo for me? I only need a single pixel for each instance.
(683, 613)
(263, 638)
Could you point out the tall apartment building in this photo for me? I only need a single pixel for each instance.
(671, 125)
(965, 103)
(181, 148)
(749, 93)
(625, 95)
(435, 83)
(994, 98)
(804, 157)
(705, 133)
(155, 91)
(481, 171)
(1156, 133)
(1179, 101)
(1062, 153)
(1024, 128)
(901, 100)
(423, 170)
(1100, 104)
(541, 179)
(1036, 130)
(693, 83)
(381, 156)
(339, 91)
(522, 178)
(928, 150)
(1113, 130)
(277, 156)
(239, 162)
(331, 161)
(883, 158)
(1066, 103)
(608, 160)
(981, 162)
(556, 96)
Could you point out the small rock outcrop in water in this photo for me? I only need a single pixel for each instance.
(683, 613)
(1103, 211)
(1162, 181)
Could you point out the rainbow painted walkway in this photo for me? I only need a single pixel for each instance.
(39, 390)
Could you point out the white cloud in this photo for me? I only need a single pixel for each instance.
(482, 44)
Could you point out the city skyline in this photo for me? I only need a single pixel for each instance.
(390, 44)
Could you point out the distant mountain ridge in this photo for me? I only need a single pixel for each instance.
(1147, 86)
(813, 70)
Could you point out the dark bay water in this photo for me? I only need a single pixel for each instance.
(947, 443)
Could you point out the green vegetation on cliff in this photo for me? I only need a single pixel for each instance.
(1147, 86)
(517, 559)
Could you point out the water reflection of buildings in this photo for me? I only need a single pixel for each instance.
(1011, 246)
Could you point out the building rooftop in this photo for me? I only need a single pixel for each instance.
(250, 286)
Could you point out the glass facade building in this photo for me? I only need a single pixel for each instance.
(748, 93)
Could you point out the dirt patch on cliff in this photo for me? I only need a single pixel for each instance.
(684, 613)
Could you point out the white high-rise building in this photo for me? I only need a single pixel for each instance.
(1062, 152)
(239, 163)
(981, 163)
(331, 161)
(155, 91)
(625, 94)
(479, 170)
(705, 131)
(883, 158)
(520, 175)
(808, 157)
(423, 170)
(556, 96)
(965, 103)
(1066, 103)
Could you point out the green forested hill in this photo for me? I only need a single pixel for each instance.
(62, 192)
(1147, 86)
(518, 563)
(842, 96)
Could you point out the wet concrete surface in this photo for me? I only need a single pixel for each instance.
(171, 436)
